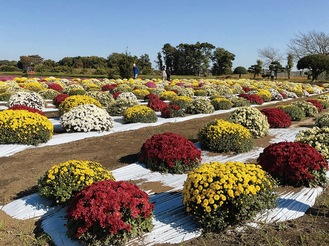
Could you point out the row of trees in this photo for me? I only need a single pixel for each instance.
(309, 50)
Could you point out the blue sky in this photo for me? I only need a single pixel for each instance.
(55, 29)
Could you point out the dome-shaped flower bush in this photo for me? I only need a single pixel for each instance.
(277, 118)
(104, 97)
(86, 118)
(23, 107)
(322, 120)
(221, 194)
(264, 94)
(252, 119)
(170, 152)
(55, 86)
(168, 95)
(221, 103)
(252, 98)
(200, 93)
(200, 106)
(239, 102)
(156, 103)
(139, 113)
(140, 93)
(122, 88)
(74, 101)
(294, 163)
(295, 113)
(118, 107)
(316, 103)
(316, 137)
(49, 94)
(34, 86)
(74, 91)
(172, 111)
(59, 99)
(182, 101)
(224, 136)
(62, 181)
(30, 99)
(309, 109)
(24, 127)
(5, 96)
(127, 95)
(109, 213)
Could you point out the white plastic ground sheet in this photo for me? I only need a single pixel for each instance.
(171, 222)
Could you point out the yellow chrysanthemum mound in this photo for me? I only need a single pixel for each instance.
(73, 101)
(61, 182)
(24, 127)
(224, 136)
(139, 113)
(221, 194)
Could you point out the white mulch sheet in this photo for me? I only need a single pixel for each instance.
(171, 223)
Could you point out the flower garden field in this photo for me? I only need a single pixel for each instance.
(194, 105)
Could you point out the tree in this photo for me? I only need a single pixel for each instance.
(270, 54)
(276, 67)
(316, 63)
(144, 64)
(121, 64)
(159, 61)
(169, 53)
(29, 62)
(256, 69)
(240, 70)
(309, 43)
(222, 62)
(290, 64)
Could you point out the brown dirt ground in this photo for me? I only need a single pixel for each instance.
(19, 174)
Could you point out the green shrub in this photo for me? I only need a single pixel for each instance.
(200, 93)
(239, 102)
(119, 106)
(224, 136)
(309, 109)
(221, 103)
(104, 97)
(295, 113)
(322, 120)
(5, 96)
(49, 94)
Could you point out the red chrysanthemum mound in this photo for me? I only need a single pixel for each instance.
(316, 103)
(252, 98)
(109, 87)
(109, 213)
(23, 107)
(55, 87)
(156, 104)
(276, 117)
(59, 99)
(294, 163)
(170, 152)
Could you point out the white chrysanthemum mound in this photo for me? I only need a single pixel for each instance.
(252, 119)
(27, 98)
(127, 95)
(86, 118)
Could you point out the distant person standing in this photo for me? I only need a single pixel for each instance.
(164, 74)
(168, 72)
(135, 71)
(272, 75)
